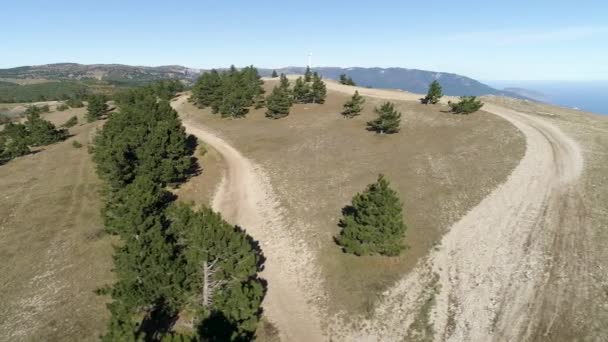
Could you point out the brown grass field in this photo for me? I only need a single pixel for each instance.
(55, 253)
(440, 164)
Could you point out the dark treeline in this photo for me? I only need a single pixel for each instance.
(17, 138)
(172, 262)
(230, 92)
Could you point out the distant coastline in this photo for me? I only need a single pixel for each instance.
(590, 96)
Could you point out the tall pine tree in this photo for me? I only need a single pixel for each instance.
(278, 103)
(318, 90)
(373, 224)
(301, 91)
(96, 108)
(307, 74)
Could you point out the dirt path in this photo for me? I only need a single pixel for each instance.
(245, 198)
(495, 268)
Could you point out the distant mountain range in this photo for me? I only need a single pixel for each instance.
(411, 80)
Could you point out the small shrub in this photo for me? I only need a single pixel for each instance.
(466, 105)
(73, 121)
(76, 144)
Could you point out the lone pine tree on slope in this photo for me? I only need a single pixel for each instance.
(434, 93)
(373, 224)
(354, 106)
(388, 120)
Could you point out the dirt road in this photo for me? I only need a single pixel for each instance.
(245, 198)
(500, 274)
(495, 275)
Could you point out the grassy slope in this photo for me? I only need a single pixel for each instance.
(54, 253)
(440, 164)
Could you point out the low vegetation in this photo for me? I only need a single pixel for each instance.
(388, 121)
(373, 223)
(76, 144)
(62, 107)
(172, 261)
(74, 103)
(466, 105)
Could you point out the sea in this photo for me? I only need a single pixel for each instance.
(590, 96)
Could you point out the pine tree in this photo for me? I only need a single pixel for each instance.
(466, 105)
(41, 132)
(13, 141)
(388, 120)
(274, 74)
(318, 91)
(307, 74)
(301, 91)
(434, 93)
(97, 107)
(373, 224)
(221, 266)
(145, 138)
(278, 103)
(205, 90)
(354, 106)
(284, 83)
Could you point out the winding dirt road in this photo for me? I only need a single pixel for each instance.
(495, 276)
(245, 198)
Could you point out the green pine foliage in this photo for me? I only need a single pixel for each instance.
(71, 122)
(230, 92)
(373, 223)
(388, 120)
(13, 142)
(74, 103)
(62, 107)
(346, 80)
(307, 74)
(354, 106)
(278, 103)
(284, 83)
(434, 93)
(274, 74)
(301, 91)
(144, 138)
(466, 105)
(97, 107)
(41, 132)
(170, 259)
(318, 90)
(222, 264)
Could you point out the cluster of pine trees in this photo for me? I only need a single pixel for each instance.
(307, 89)
(172, 261)
(230, 93)
(17, 138)
(346, 80)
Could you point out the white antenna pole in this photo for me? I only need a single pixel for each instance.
(310, 60)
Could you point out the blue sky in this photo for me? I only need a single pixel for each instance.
(487, 40)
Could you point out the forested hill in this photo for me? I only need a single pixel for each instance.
(411, 80)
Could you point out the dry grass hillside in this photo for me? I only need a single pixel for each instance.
(440, 164)
(54, 253)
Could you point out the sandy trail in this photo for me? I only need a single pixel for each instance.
(245, 197)
(493, 272)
